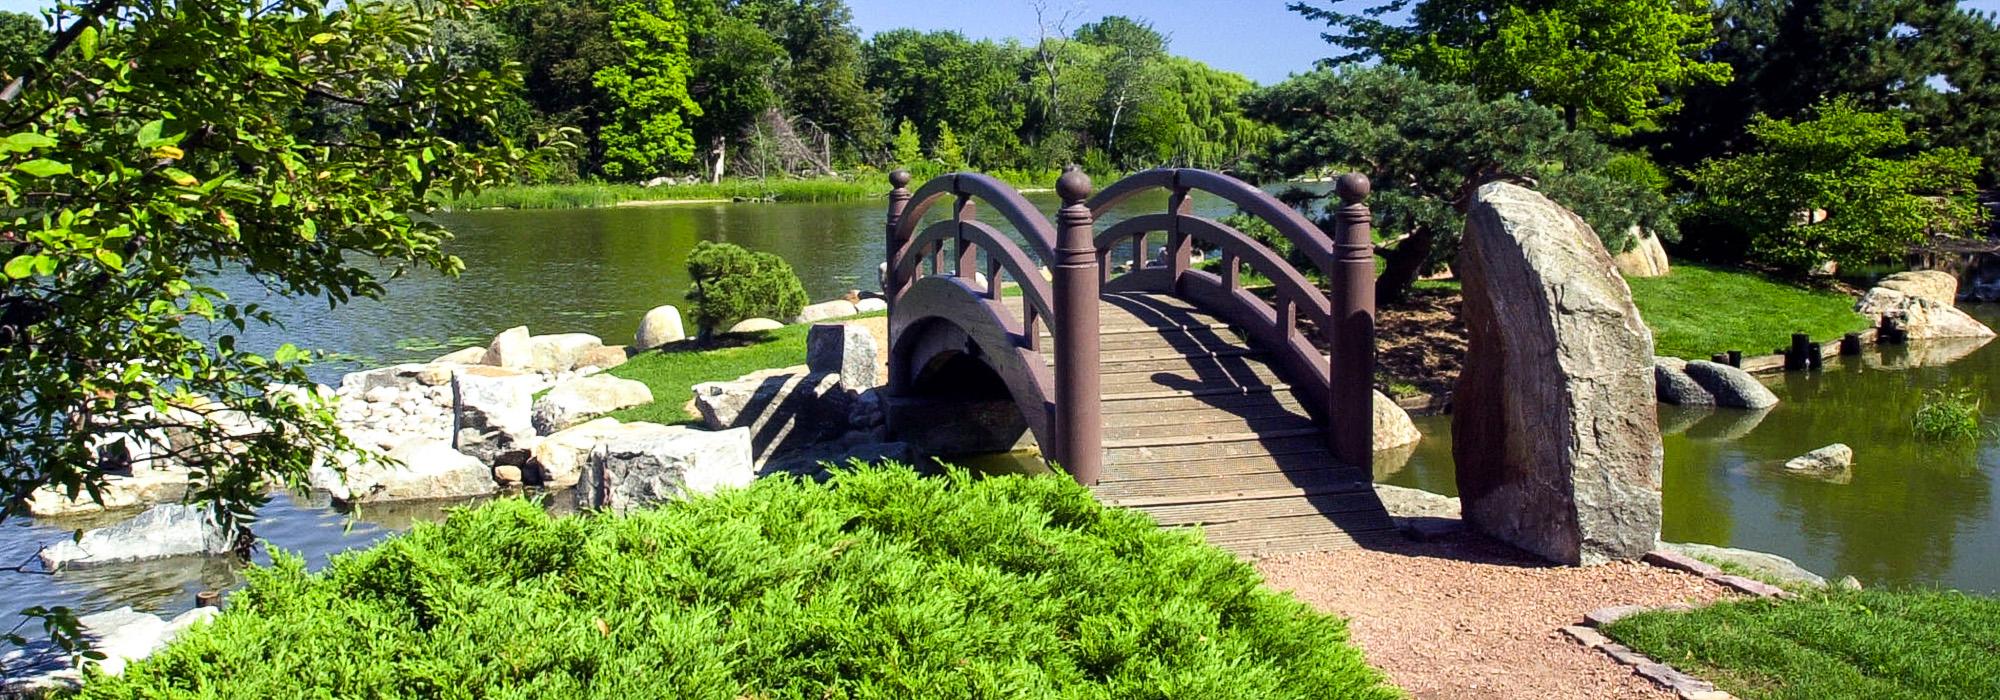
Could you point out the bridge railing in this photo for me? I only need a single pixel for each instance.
(1339, 388)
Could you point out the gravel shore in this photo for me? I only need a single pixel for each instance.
(1469, 618)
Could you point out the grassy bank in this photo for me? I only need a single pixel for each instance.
(1698, 311)
(1833, 645)
(585, 195)
(880, 583)
(671, 372)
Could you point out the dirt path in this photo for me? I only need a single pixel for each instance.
(1467, 618)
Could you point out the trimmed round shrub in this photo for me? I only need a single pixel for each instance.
(732, 283)
(881, 584)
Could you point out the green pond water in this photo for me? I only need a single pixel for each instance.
(1910, 514)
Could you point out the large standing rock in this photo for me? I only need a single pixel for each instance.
(425, 470)
(573, 401)
(1728, 386)
(1647, 258)
(843, 349)
(558, 460)
(814, 313)
(1920, 317)
(1672, 385)
(662, 325)
(627, 471)
(785, 409)
(167, 530)
(1393, 427)
(491, 411)
(1554, 432)
(1934, 286)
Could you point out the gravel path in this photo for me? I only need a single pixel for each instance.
(1469, 618)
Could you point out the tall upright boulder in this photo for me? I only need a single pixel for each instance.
(1554, 432)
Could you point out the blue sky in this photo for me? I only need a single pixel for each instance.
(1257, 38)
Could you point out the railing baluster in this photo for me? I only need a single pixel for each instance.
(1231, 266)
(1351, 335)
(892, 283)
(1178, 244)
(1079, 410)
(992, 277)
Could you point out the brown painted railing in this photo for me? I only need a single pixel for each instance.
(1337, 389)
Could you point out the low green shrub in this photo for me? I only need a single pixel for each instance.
(880, 584)
(1948, 415)
(731, 283)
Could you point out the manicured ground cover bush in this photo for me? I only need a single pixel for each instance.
(880, 584)
(1697, 311)
(1832, 645)
(672, 371)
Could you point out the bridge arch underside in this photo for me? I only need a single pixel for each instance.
(967, 385)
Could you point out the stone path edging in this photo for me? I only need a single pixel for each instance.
(1685, 686)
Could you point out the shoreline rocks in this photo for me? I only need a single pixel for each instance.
(163, 531)
(1919, 317)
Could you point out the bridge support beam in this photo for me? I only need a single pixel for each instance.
(1351, 337)
(1079, 402)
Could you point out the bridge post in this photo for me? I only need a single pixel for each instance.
(1079, 410)
(892, 283)
(1351, 336)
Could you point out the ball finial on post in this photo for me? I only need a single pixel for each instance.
(1073, 186)
(899, 179)
(1353, 187)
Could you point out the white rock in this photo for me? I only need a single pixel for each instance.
(1393, 427)
(662, 325)
(560, 459)
(1647, 258)
(155, 482)
(428, 470)
(491, 410)
(575, 400)
(838, 308)
(1921, 318)
(123, 636)
(1833, 458)
(468, 356)
(167, 530)
(1935, 286)
(509, 348)
(382, 394)
(633, 470)
(755, 325)
(871, 305)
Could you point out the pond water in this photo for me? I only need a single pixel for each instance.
(1911, 514)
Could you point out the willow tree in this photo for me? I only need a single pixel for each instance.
(155, 145)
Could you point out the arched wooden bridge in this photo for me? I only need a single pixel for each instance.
(1165, 388)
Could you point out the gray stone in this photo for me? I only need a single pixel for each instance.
(603, 357)
(826, 310)
(1393, 427)
(559, 352)
(154, 482)
(785, 409)
(871, 305)
(509, 348)
(1763, 564)
(1555, 433)
(845, 350)
(1833, 458)
(1669, 559)
(1607, 615)
(1405, 502)
(1849, 583)
(662, 325)
(576, 400)
(167, 530)
(468, 356)
(394, 377)
(491, 410)
(1731, 387)
(507, 474)
(755, 325)
(866, 413)
(1749, 586)
(1646, 258)
(1672, 384)
(1936, 286)
(558, 461)
(123, 635)
(1586, 636)
(1921, 318)
(629, 471)
(422, 470)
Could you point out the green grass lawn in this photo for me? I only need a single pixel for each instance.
(1832, 645)
(879, 584)
(1698, 311)
(671, 372)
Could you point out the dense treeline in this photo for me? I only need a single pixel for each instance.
(644, 88)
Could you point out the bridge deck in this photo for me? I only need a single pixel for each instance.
(1201, 431)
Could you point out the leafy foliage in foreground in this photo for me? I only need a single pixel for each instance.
(1832, 645)
(880, 584)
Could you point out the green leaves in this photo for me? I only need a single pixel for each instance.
(25, 141)
(43, 167)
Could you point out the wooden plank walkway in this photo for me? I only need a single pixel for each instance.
(1201, 431)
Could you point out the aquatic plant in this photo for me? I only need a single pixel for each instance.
(880, 583)
(1948, 415)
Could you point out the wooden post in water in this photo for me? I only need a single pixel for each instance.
(892, 283)
(1079, 402)
(1850, 344)
(1736, 358)
(1795, 357)
(1351, 335)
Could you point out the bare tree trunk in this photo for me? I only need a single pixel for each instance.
(721, 160)
(1403, 264)
(1111, 139)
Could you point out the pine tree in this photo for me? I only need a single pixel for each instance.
(908, 149)
(946, 151)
